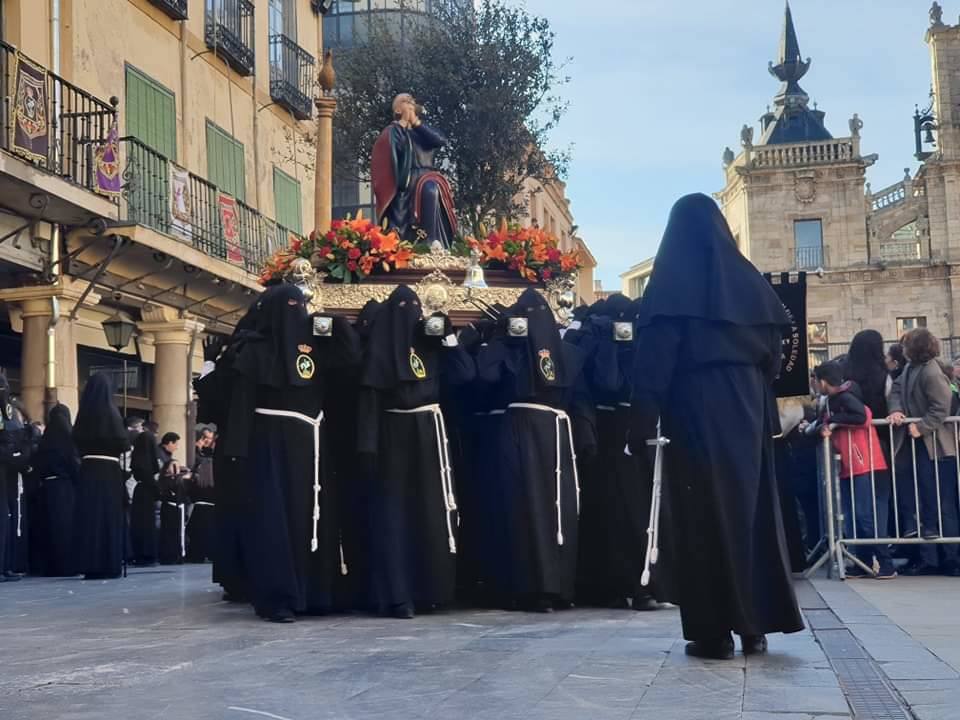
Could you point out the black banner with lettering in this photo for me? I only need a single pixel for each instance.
(795, 371)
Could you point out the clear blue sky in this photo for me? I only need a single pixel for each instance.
(660, 87)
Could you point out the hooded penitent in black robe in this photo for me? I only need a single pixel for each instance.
(401, 436)
(615, 487)
(232, 494)
(536, 512)
(21, 493)
(101, 438)
(294, 558)
(352, 481)
(708, 351)
(56, 470)
(145, 465)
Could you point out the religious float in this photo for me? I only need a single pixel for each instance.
(417, 243)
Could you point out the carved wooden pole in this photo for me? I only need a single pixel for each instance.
(323, 174)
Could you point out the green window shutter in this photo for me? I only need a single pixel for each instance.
(151, 113)
(225, 164)
(286, 193)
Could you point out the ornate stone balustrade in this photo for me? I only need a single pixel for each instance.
(802, 154)
(889, 196)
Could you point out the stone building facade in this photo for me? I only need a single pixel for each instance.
(798, 200)
(211, 101)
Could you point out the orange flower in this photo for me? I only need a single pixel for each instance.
(366, 264)
(570, 261)
(402, 257)
(389, 242)
(495, 253)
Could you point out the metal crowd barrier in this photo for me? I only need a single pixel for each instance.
(908, 504)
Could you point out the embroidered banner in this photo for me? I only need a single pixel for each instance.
(181, 204)
(107, 164)
(31, 124)
(230, 224)
(794, 376)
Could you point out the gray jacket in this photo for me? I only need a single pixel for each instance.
(922, 391)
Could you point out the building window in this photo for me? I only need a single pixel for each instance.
(225, 163)
(286, 193)
(808, 242)
(906, 324)
(818, 341)
(151, 113)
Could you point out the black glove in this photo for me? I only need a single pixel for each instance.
(212, 345)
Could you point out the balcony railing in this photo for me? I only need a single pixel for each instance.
(809, 258)
(78, 123)
(817, 153)
(147, 202)
(229, 32)
(177, 9)
(291, 76)
(898, 251)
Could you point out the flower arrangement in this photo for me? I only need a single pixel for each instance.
(532, 252)
(351, 250)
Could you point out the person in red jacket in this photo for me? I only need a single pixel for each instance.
(864, 481)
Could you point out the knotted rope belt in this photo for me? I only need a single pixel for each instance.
(443, 456)
(560, 417)
(315, 424)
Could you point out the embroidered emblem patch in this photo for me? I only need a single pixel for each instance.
(305, 348)
(305, 366)
(417, 366)
(547, 368)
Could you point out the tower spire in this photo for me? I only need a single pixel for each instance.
(791, 66)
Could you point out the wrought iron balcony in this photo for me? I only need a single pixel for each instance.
(809, 258)
(291, 76)
(147, 201)
(67, 125)
(177, 9)
(229, 32)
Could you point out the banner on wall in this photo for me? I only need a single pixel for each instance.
(794, 377)
(107, 180)
(230, 225)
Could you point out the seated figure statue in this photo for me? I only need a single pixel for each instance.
(411, 194)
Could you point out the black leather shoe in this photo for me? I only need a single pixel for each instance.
(282, 616)
(753, 644)
(717, 649)
(402, 611)
(920, 570)
(644, 604)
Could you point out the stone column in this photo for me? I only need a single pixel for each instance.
(31, 309)
(172, 338)
(323, 173)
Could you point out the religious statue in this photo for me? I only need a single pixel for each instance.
(856, 125)
(936, 15)
(746, 136)
(728, 157)
(412, 195)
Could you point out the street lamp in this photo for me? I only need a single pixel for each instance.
(119, 329)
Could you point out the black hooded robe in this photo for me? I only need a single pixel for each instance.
(615, 487)
(56, 470)
(172, 539)
(412, 521)
(536, 567)
(201, 492)
(708, 351)
(101, 438)
(283, 373)
(145, 464)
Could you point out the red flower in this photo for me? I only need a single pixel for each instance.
(331, 236)
(326, 250)
(553, 255)
(354, 253)
(546, 274)
(296, 245)
(352, 265)
(336, 225)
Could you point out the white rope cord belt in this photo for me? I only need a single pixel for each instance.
(204, 502)
(443, 455)
(19, 504)
(107, 458)
(490, 412)
(560, 417)
(611, 408)
(315, 423)
(183, 526)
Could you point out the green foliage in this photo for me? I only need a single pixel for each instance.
(487, 76)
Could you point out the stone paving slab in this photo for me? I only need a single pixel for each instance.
(161, 645)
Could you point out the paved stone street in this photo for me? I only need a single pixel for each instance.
(162, 645)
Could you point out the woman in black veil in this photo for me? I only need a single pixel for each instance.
(709, 349)
(57, 472)
(101, 438)
(145, 464)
